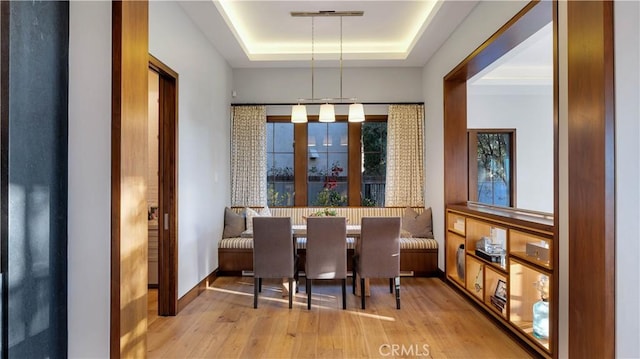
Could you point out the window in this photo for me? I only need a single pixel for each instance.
(374, 163)
(280, 185)
(491, 174)
(326, 164)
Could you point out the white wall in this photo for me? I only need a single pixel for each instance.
(531, 114)
(479, 25)
(89, 178)
(204, 93)
(286, 85)
(627, 57)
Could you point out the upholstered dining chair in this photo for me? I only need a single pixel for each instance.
(377, 253)
(273, 253)
(326, 252)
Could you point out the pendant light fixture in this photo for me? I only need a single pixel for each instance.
(327, 108)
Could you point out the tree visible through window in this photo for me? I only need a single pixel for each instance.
(374, 160)
(491, 174)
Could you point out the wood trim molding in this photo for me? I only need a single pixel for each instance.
(116, 99)
(194, 292)
(524, 24)
(130, 32)
(354, 192)
(591, 172)
(300, 163)
(455, 142)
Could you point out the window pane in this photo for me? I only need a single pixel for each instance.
(374, 163)
(283, 137)
(270, 137)
(280, 180)
(494, 163)
(327, 164)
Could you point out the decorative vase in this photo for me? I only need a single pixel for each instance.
(460, 262)
(541, 319)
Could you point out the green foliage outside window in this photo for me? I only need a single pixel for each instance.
(329, 195)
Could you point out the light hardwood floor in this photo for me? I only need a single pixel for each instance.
(434, 322)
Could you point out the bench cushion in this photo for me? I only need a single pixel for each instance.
(405, 243)
(236, 243)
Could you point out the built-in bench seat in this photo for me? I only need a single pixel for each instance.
(405, 243)
(418, 256)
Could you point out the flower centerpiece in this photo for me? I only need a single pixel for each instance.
(325, 212)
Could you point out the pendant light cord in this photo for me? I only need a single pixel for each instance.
(341, 58)
(312, 54)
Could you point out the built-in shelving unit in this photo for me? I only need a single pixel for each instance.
(503, 260)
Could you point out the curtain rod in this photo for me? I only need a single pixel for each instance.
(333, 103)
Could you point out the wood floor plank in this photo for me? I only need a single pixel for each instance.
(434, 322)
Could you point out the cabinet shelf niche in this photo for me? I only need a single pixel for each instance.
(532, 248)
(523, 294)
(456, 260)
(515, 275)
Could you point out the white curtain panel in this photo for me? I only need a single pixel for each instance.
(405, 156)
(249, 156)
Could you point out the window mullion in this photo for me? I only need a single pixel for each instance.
(300, 164)
(355, 164)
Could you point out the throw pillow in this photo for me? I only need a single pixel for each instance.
(418, 224)
(233, 224)
(250, 213)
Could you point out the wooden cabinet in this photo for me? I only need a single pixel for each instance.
(503, 260)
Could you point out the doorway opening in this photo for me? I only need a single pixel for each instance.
(162, 189)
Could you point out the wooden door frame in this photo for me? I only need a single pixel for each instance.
(527, 21)
(129, 222)
(167, 188)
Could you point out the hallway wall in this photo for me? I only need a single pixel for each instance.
(89, 224)
(204, 95)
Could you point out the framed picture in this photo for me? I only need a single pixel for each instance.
(501, 290)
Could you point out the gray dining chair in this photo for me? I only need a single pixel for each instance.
(273, 253)
(326, 252)
(377, 253)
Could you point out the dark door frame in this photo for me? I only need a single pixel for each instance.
(167, 188)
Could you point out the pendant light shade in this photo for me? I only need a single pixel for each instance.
(356, 112)
(327, 113)
(299, 114)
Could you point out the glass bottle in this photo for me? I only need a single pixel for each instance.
(541, 309)
(541, 319)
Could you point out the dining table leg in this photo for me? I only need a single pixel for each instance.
(367, 289)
